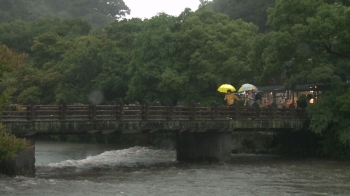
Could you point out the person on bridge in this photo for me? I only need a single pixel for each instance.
(267, 103)
(230, 98)
(250, 98)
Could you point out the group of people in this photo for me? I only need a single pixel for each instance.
(249, 98)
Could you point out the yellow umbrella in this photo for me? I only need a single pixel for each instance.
(224, 87)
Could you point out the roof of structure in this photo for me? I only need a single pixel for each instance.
(304, 87)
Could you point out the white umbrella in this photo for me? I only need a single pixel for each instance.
(247, 87)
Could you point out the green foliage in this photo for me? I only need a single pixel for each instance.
(254, 11)
(97, 13)
(9, 60)
(153, 47)
(310, 45)
(183, 58)
(188, 57)
(19, 35)
(92, 63)
(10, 145)
(312, 41)
(329, 120)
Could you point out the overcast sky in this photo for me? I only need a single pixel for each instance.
(148, 8)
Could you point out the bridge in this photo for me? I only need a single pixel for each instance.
(202, 132)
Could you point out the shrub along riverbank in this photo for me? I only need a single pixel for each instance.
(10, 146)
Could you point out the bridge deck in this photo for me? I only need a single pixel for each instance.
(68, 119)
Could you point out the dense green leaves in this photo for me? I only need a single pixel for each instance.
(154, 47)
(254, 11)
(188, 57)
(184, 58)
(91, 64)
(312, 47)
(311, 40)
(20, 35)
(97, 12)
(9, 144)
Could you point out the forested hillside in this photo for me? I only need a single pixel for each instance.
(185, 57)
(254, 11)
(97, 12)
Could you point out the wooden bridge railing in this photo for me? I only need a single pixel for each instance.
(119, 111)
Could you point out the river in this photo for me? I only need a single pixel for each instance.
(94, 169)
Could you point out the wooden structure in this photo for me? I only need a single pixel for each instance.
(119, 111)
(71, 119)
(203, 133)
(284, 98)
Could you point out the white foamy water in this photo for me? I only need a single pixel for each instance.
(89, 170)
(131, 157)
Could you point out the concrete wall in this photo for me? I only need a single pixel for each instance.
(22, 165)
(203, 146)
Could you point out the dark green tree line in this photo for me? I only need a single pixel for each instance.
(10, 145)
(254, 11)
(311, 45)
(185, 58)
(97, 12)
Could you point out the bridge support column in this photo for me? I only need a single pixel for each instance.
(203, 146)
(22, 165)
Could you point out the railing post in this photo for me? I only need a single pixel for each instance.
(215, 110)
(145, 109)
(170, 110)
(120, 112)
(193, 110)
(284, 111)
(237, 111)
(92, 111)
(31, 109)
(275, 112)
(292, 111)
(63, 109)
(256, 110)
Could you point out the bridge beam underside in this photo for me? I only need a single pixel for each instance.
(203, 146)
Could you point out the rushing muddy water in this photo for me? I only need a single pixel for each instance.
(84, 169)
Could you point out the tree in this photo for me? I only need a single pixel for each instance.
(92, 65)
(254, 11)
(9, 60)
(10, 145)
(186, 58)
(98, 12)
(152, 49)
(311, 40)
(312, 45)
(38, 77)
(212, 50)
(20, 35)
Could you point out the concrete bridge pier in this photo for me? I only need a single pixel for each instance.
(203, 146)
(23, 164)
